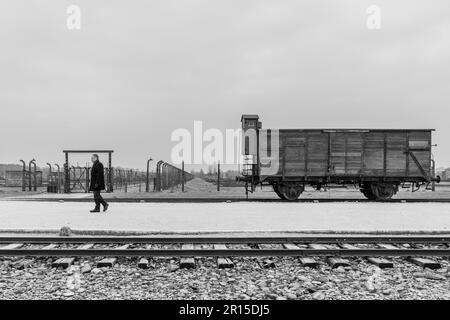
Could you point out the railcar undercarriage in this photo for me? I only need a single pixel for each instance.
(372, 189)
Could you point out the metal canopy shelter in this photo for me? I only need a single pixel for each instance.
(109, 182)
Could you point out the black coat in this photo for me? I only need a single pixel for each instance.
(97, 177)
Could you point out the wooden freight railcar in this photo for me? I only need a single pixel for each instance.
(375, 160)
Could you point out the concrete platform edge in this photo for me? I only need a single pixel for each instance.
(220, 233)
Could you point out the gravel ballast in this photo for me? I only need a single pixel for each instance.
(22, 278)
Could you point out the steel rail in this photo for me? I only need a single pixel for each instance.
(224, 252)
(415, 239)
(223, 200)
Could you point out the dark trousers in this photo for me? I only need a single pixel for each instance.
(98, 199)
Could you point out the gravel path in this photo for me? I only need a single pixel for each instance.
(248, 280)
(227, 217)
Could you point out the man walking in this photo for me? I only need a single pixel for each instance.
(97, 183)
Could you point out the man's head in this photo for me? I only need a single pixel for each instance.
(94, 157)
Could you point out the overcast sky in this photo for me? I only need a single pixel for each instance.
(137, 70)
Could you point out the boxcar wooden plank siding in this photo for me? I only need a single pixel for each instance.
(317, 154)
(380, 153)
(375, 160)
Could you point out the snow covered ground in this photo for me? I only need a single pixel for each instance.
(227, 217)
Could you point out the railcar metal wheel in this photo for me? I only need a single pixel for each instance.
(277, 191)
(383, 191)
(368, 194)
(366, 190)
(291, 192)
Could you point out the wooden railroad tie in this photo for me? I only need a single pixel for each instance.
(50, 247)
(86, 246)
(381, 263)
(110, 262)
(387, 246)
(305, 261)
(66, 262)
(143, 262)
(348, 246)
(12, 246)
(187, 262)
(266, 263)
(63, 263)
(334, 262)
(425, 263)
(222, 262)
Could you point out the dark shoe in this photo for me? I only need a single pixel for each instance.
(95, 210)
(105, 207)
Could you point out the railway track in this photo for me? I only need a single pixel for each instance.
(417, 249)
(224, 199)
